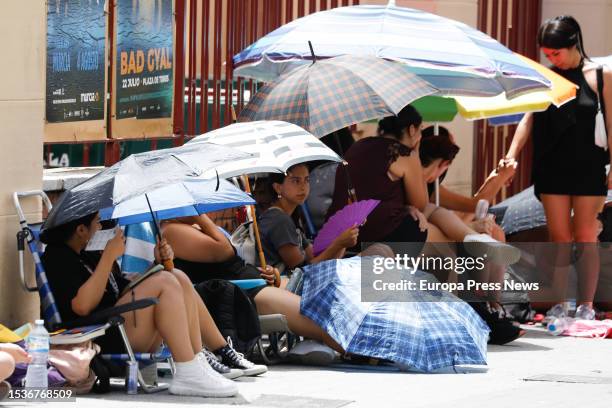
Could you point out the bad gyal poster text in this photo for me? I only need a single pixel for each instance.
(144, 59)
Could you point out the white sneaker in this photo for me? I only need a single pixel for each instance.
(312, 352)
(584, 312)
(197, 378)
(482, 245)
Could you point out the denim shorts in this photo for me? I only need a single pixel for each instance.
(296, 282)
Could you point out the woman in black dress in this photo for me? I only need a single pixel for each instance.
(568, 169)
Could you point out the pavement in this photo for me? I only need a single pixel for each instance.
(570, 372)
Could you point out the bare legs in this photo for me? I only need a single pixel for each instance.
(180, 319)
(452, 227)
(272, 300)
(7, 365)
(585, 235)
(208, 331)
(583, 231)
(168, 320)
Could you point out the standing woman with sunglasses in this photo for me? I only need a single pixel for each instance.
(568, 168)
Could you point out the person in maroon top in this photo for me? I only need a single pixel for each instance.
(388, 168)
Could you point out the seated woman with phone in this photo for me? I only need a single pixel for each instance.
(86, 282)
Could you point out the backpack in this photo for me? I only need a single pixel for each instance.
(243, 239)
(233, 312)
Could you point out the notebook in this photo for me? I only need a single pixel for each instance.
(78, 335)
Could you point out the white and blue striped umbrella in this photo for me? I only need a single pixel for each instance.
(186, 198)
(273, 147)
(452, 56)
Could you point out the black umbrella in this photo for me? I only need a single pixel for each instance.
(137, 175)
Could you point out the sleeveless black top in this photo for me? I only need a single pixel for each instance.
(566, 160)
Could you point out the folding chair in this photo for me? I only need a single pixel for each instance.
(106, 318)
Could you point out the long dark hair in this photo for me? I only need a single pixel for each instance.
(266, 196)
(395, 125)
(561, 32)
(437, 147)
(62, 233)
(339, 141)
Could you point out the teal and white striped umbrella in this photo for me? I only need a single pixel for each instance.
(454, 57)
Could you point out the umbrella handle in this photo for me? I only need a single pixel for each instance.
(168, 265)
(277, 278)
(262, 258)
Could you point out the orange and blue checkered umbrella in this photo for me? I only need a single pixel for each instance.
(334, 93)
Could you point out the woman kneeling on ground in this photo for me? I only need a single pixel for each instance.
(86, 282)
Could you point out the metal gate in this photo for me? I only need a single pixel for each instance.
(215, 30)
(515, 24)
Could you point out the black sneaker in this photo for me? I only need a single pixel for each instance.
(229, 373)
(502, 330)
(233, 359)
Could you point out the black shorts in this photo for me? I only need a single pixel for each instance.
(408, 237)
(111, 342)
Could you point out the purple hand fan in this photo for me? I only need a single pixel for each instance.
(352, 214)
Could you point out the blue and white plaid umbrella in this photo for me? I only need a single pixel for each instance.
(452, 56)
(428, 331)
(523, 211)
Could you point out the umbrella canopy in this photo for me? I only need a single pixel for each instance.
(444, 109)
(136, 175)
(331, 94)
(451, 55)
(425, 332)
(273, 146)
(521, 212)
(180, 199)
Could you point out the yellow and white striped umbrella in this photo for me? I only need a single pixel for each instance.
(445, 108)
(561, 92)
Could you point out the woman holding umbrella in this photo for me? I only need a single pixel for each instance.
(568, 168)
(84, 282)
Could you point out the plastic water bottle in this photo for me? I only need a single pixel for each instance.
(38, 348)
(481, 209)
(558, 325)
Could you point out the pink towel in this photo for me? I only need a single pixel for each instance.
(590, 328)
